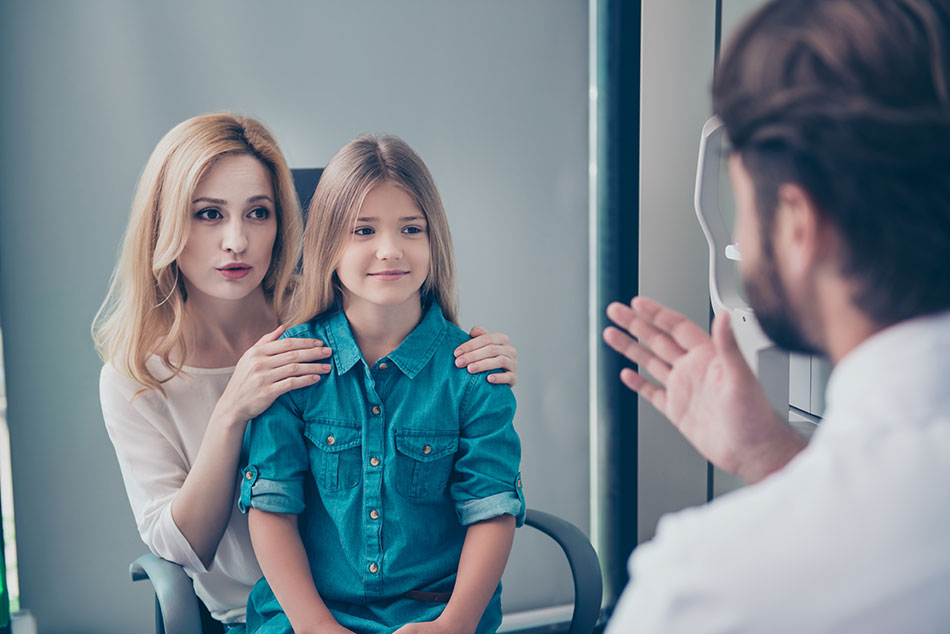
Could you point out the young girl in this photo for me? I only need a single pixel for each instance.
(189, 336)
(385, 497)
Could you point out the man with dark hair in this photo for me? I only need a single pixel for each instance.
(838, 112)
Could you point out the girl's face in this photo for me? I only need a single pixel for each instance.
(387, 258)
(233, 228)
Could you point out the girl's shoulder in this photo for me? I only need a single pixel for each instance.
(309, 329)
(454, 336)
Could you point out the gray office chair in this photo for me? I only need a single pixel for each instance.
(178, 610)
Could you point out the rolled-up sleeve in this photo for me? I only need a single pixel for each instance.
(487, 482)
(273, 479)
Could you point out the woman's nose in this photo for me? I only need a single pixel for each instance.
(235, 237)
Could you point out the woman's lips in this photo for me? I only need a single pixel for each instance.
(235, 272)
(389, 276)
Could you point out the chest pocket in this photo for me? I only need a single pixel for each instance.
(335, 453)
(424, 460)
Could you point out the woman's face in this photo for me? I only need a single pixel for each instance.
(233, 228)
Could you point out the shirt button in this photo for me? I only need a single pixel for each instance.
(373, 568)
(376, 410)
(383, 365)
(249, 475)
(331, 440)
(374, 514)
(373, 461)
(427, 450)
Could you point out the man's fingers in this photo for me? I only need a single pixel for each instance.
(637, 353)
(645, 331)
(683, 332)
(650, 391)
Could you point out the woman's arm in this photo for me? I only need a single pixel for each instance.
(489, 351)
(284, 562)
(172, 500)
(149, 448)
(266, 370)
(484, 555)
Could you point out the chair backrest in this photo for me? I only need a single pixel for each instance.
(305, 182)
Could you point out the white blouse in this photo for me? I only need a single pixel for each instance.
(156, 440)
(853, 535)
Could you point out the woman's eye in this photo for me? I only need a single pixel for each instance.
(259, 213)
(364, 231)
(209, 213)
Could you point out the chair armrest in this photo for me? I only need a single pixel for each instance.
(585, 567)
(175, 601)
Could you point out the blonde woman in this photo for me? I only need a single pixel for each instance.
(402, 468)
(189, 335)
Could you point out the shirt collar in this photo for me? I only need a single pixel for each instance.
(345, 351)
(415, 350)
(412, 354)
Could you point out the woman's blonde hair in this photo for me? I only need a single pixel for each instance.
(353, 172)
(144, 309)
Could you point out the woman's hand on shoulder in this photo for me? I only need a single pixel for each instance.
(269, 368)
(489, 351)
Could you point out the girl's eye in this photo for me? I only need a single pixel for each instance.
(412, 229)
(364, 231)
(259, 213)
(209, 213)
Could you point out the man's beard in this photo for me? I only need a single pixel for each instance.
(769, 301)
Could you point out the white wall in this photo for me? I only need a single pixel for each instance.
(492, 94)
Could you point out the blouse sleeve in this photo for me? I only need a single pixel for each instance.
(487, 482)
(152, 461)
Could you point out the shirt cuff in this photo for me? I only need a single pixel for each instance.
(273, 496)
(507, 503)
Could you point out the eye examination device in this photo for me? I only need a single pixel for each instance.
(794, 384)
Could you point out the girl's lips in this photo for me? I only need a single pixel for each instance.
(389, 276)
(235, 273)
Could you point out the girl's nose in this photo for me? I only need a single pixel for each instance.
(235, 238)
(388, 247)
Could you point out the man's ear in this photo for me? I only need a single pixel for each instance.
(802, 237)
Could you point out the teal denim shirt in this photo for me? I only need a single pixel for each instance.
(386, 466)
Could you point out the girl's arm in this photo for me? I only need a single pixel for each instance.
(484, 555)
(489, 351)
(202, 507)
(284, 562)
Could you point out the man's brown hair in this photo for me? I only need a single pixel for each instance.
(850, 99)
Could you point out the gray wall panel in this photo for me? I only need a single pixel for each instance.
(676, 69)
